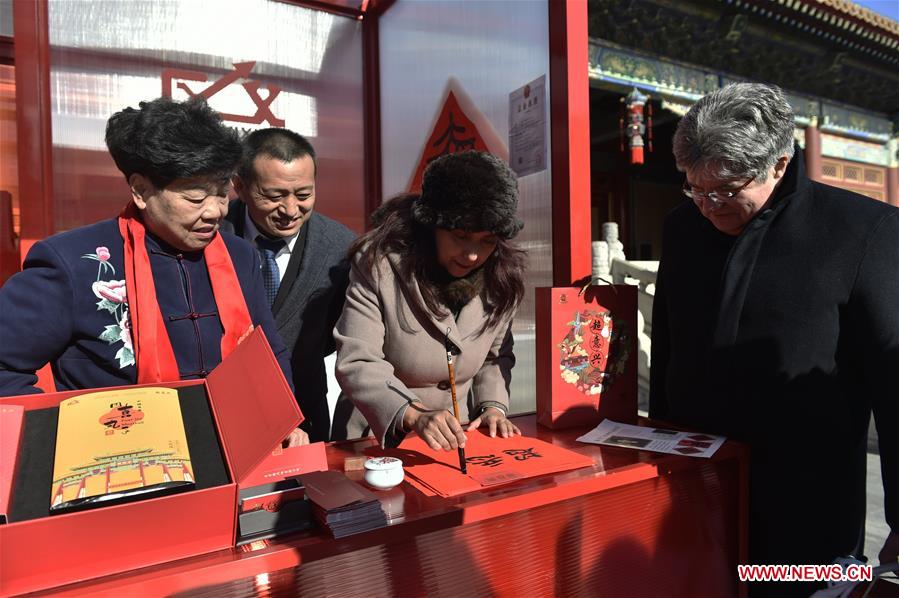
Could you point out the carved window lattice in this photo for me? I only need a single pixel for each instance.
(873, 177)
(860, 178)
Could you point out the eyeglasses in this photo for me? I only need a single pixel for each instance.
(716, 197)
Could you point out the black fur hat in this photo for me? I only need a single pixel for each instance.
(471, 191)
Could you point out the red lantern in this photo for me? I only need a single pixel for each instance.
(632, 127)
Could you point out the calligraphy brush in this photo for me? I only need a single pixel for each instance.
(452, 381)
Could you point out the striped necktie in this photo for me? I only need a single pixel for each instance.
(271, 276)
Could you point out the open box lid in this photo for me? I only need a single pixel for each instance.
(253, 404)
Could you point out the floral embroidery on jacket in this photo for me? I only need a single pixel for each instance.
(113, 297)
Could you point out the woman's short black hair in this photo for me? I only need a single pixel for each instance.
(165, 140)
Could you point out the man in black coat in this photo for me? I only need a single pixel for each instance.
(304, 266)
(776, 322)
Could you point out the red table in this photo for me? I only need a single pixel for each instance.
(635, 524)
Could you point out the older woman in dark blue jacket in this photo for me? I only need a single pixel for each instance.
(154, 295)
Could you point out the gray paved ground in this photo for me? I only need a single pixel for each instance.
(876, 529)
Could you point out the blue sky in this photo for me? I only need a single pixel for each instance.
(889, 8)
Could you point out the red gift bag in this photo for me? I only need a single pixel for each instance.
(586, 355)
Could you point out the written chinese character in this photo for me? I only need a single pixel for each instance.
(522, 454)
(485, 460)
(121, 417)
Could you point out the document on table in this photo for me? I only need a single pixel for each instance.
(692, 444)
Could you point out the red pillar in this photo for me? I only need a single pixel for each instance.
(371, 83)
(813, 150)
(34, 139)
(570, 126)
(893, 172)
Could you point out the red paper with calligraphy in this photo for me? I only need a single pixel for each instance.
(586, 355)
(453, 132)
(491, 461)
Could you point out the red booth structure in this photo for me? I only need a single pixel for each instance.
(635, 523)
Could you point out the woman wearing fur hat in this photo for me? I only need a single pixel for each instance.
(438, 267)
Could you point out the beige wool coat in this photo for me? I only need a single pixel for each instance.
(389, 355)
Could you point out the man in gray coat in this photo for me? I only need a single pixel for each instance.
(304, 266)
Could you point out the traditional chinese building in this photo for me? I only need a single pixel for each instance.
(838, 63)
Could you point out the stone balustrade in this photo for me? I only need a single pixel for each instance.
(643, 275)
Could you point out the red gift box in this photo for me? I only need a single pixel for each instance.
(586, 355)
(253, 410)
(272, 499)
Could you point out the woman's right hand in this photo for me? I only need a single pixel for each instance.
(438, 428)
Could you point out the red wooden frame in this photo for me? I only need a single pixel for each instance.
(336, 7)
(813, 151)
(569, 100)
(570, 126)
(371, 90)
(34, 139)
(893, 185)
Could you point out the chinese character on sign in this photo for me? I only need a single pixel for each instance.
(241, 71)
(454, 131)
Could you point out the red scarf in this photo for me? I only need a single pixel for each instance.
(153, 354)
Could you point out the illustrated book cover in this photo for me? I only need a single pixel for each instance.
(117, 445)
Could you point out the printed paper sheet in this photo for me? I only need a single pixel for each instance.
(659, 440)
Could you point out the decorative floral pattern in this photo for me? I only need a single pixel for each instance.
(593, 353)
(113, 297)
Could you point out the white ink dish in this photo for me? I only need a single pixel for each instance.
(383, 472)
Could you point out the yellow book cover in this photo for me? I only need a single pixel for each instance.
(119, 442)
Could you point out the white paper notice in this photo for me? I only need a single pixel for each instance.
(527, 128)
(692, 444)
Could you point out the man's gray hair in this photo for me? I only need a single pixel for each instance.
(736, 132)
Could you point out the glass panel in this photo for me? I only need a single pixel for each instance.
(483, 50)
(9, 164)
(284, 65)
(6, 25)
